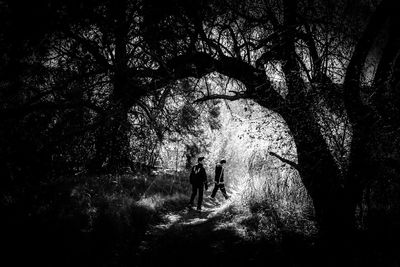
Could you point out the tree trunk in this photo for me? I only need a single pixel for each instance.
(318, 170)
(113, 141)
(320, 175)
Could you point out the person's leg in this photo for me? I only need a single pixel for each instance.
(224, 191)
(214, 192)
(194, 192)
(200, 198)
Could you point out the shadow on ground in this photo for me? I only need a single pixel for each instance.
(195, 239)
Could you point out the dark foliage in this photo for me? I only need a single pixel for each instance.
(89, 87)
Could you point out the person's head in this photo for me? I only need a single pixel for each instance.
(200, 159)
(222, 161)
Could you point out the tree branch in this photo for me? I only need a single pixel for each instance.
(386, 67)
(352, 97)
(22, 111)
(237, 96)
(91, 47)
(312, 48)
(289, 162)
(199, 64)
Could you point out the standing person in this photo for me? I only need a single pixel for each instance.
(198, 179)
(219, 179)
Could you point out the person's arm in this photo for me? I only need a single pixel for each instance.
(205, 179)
(218, 170)
(191, 176)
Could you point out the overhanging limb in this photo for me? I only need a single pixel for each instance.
(291, 163)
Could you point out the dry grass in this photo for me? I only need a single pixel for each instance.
(270, 206)
(92, 221)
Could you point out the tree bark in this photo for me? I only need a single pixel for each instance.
(362, 117)
(318, 171)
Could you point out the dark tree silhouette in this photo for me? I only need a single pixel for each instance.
(73, 73)
(240, 40)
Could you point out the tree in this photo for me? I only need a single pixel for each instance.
(114, 41)
(118, 59)
(321, 61)
(94, 77)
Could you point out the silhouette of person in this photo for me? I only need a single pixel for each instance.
(198, 179)
(219, 180)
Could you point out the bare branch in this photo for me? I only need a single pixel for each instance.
(237, 96)
(289, 162)
(92, 48)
